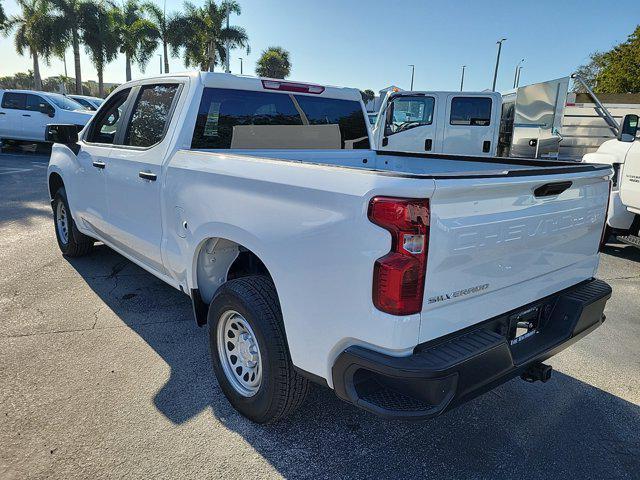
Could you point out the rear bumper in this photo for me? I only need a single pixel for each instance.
(448, 371)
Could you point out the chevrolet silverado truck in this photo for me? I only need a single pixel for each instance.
(623, 154)
(407, 283)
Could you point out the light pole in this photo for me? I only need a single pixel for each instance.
(160, 57)
(515, 75)
(240, 65)
(228, 70)
(495, 72)
(413, 70)
(518, 76)
(462, 77)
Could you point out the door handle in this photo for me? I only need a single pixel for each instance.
(385, 141)
(428, 144)
(26, 115)
(99, 164)
(486, 146)
(148, 176)
(2, 113)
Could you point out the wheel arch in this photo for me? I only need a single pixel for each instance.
(217, 260)
(54, 182)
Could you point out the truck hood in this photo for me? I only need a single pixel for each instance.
(610, 152)
(79, 117)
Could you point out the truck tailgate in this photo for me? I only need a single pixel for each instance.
(496, 244)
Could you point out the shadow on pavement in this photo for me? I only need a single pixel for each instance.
(24, 193)
(562, 429)
(622, 250)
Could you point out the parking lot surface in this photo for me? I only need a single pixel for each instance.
(104, 374)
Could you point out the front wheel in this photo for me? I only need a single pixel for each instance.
(249, 351)
(71, 241)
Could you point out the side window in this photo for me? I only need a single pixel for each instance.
(150, 115)
(247, 119)
(475, 111)
(107, 121)
(409, 112)
(34, 102)
(14, 101)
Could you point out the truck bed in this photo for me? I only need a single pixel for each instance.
(425, 164)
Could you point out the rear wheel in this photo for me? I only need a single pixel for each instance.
(71, 241)
(249, 351)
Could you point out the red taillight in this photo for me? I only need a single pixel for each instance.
(603, 238)
(292, 87)
(398, 277)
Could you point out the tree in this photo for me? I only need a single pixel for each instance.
(100, 37)
(274, 63)
(614, 71)
(70, 19)
(169, 36)
(138, 36)
(205, 34)
(3, 17)
(367, 95)
(34, 31)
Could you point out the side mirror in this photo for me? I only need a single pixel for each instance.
(47, 110)
(629, 128)
(65, 134)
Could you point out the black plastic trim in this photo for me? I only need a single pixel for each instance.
(200, 308)
(453, 369)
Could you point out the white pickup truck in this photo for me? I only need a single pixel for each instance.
(623, 154)
(408, 283)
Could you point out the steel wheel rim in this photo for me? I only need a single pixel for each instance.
(239, 353)
(62, 222)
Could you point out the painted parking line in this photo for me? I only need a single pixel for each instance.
(40, 165)
(11, 171)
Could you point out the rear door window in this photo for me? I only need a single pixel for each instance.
(475, 111)
(14, 101)
(150, 115)
(245, 119)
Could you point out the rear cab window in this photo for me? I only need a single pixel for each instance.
(247, 119)
(473, 111)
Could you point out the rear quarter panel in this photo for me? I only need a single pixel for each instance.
(308, 224)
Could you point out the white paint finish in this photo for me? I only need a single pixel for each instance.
(305, 216)
(446, 138)
(29, 124)
(626, 195)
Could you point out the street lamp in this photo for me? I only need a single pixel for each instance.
(462, 77)
(495, 72)
(518, 77)
(413, 70)
(515, 75)
(240, 65)
(160, 57)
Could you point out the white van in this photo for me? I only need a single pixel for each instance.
(24, 114)
(460, 123)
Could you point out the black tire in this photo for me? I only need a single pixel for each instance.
(282, 389)
(75, 243)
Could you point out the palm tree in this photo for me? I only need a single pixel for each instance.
(274, 63)
(70, 19)
(138, 35)
(169, 36)
(34, 31)
(3, 17)
(100, 37)
(204, 34)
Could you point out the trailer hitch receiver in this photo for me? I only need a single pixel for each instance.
(537, 371)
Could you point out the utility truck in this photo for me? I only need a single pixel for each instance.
(623, 154)
(463, 123)
(407, 283)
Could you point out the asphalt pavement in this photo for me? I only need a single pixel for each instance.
(104, 374)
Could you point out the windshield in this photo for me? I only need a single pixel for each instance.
(65, 103)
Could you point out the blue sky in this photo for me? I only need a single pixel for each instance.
(368, 44)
